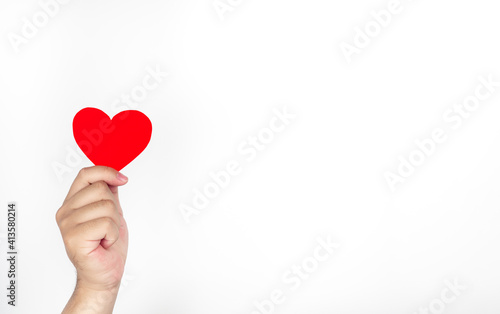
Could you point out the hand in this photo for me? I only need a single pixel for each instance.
(94, 230)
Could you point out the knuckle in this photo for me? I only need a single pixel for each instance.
(107, 205)
(98, 184)
(108, 223)
(82, 172)
(101, 186)
(58, 215)
(63, 224)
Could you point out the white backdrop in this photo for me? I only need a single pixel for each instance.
(375, 91)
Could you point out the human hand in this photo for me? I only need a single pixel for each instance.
(93, 229)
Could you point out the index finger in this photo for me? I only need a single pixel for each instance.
(90, 175)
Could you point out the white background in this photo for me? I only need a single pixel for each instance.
(323, 175)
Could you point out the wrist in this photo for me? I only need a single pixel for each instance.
(91, 299)
(93, 288)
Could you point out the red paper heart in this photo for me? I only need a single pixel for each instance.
(113, 143)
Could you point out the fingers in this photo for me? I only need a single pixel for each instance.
(88, 235)
(96, 210)
(91, 216)
(93, 193)
(90, 175)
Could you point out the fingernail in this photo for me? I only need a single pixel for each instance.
(121, 177)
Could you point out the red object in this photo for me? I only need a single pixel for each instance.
(111, 142)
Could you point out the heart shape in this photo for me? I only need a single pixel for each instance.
(111, 142)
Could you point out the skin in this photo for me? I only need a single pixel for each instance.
(95, 235)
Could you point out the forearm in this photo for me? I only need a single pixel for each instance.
(88, 301)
